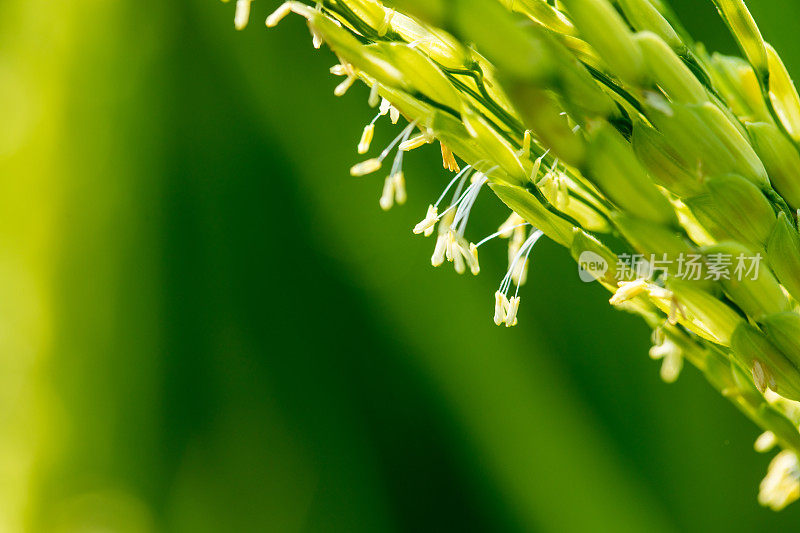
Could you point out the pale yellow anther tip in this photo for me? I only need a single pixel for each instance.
(366, 138)
(511, 314)
(474, 264)
(365, 167)
(426, 225)
(278, 15)
(627, 291)
(439, 251)
(242, 16)
(765, 442)
(500, 307)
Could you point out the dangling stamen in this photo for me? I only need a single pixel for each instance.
(781, 486)
(472, 259)
(400, 195)
(384, 107)
(387, 198)
(513, 303)
(515, 243)
(460, 176)
(765, 442)
(394, 114)
(511, 313)
(505, 285)
(450, 251)
(465, 206)
(417, 141)
(394, 189)
(500, 307)
(440, 250)
(369, 131)
(365, 167)
(671, 359)
(458, 259)
(371, 165)
(366, 138)
(279, 14)
(316, 38)
(427, 224)
(628, 290)
(344, 86)
(374, 96)
(339, 70)
(242, 16)
(522, 272)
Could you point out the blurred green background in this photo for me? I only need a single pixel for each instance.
(207, 325)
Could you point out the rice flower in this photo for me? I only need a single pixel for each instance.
(672, 175)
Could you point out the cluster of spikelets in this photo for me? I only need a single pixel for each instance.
(602, 125)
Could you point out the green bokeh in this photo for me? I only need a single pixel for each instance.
(241, 340)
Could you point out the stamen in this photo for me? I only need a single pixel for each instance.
(505, 285)
(450, 251)
(427, 224)
(400, 138)
(279, 14)
(400, 195)
(366, 138)
(458, 260)
(371, 165)
(463, 174)
(384, 107)
(765, 442)
(781, 486)
(416, 142)
(344, 86)
(374, 97)
(671, 359)
(316, 38)
(472, 259)
(394, 188)
(339, 70)
(387, 198)
(437, 259)
(462, 214)
(511, 314)
(505, 309)
(500, 307)
(523, 267)
(441, 248)
(628, 290)
(242, 16)
(366, 167)
(448, 159)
